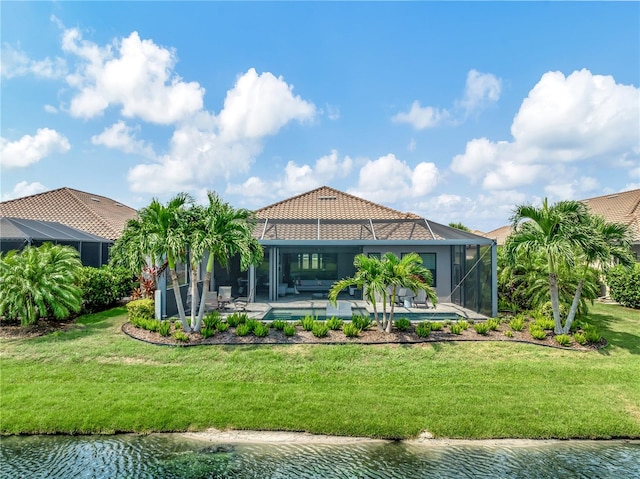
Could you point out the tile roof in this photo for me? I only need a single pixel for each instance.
(329, 203)
(95, 214)
(328, 214)
(623, 207)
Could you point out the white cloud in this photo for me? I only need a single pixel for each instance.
(259, 105)
(333, 112)
(481, 89)
(207, 148)
(571, 190)
(564, 119)
(24, 189)
(412, 145)
(50, 109)
(421, 117)
(135, 74)
(16, 63)
(121, 137)
(388, 179)
(31, 149)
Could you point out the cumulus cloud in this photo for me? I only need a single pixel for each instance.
(207, 147)
(563, 120)
(24, 188)
(50, 109)
(567, 190)
(122, 137)
(481, 89)
(388, 179)
(31, 149)
(16, 63)
(421, 117)
(259, 105)
(136, 75)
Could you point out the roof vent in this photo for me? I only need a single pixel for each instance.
(95, 199)
(327, 197)
(612, 196)
(118, 204)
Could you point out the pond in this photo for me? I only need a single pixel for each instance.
(170, 456)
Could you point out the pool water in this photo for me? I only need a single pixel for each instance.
(296, 314)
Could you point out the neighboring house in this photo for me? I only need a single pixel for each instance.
(310, 241)
(623, 207)
(94, 214)
(16, 233)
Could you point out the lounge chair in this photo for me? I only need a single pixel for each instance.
(342, 309)
(211, 301)
(224, 296)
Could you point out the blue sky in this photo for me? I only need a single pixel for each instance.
(456, 111)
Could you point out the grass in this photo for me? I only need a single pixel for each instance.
(94, 379)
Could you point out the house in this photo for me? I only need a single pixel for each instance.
(623, 207)
(310, 241)
(66, 216)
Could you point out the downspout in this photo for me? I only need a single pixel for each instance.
(494, 279)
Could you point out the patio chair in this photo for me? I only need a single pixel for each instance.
(211, 301)
(422, 299)
(240, 303)
(224, 296)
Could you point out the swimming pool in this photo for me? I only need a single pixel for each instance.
(295, 314)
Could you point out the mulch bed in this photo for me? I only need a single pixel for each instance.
(371, 336)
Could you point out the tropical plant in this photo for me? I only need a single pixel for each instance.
(624, 285)
(555, 232)
(40, 282)
(423, 329)
(350, 330)
(227, 232)
(402, 324)
(482, 328)
(141, 308)
(334, 323)
(102, 287)
(320, 329)
(361, 322)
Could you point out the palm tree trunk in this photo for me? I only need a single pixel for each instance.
(178, 295)
(205, 289)
(391, 310)
(574, 307)
(194, 294)
(553, 291)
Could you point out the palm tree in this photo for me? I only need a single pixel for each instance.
(369, 278)
(227, 232)
(40, 281)
(406, 272)
(608, 242)
(556, 232)
(164, 226)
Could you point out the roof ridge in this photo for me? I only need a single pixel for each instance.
(291, 198)
(611, 194)
(97, 215)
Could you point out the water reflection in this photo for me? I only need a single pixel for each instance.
(173, 456)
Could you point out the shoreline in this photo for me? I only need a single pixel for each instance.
(235, 436)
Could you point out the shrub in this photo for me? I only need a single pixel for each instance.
(141, 308)
(537, 332)
(242, 329)
(436, 326)
(361, 322)
(563, 340)
(211, 319)
(261, 330)
(456, 328)
(335, 323)
(320, 329)
(545, 323)
(580, 338)
(517, 323)
(181, 336)
(624, 285)
(591, 334)
(481, 328)
(222, 327)
(289, 330)
(423, 329)
(102, 287)
(165, 328)
(464, 324)
(236, 318)
(177, 325)
(207, 332)
(547, 310)
(252, 324)
(350, 330)
(279, 324)
(402, 324)
(493, 324)
(508, 333)
(308, 322)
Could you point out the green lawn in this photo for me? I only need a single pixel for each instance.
(94, 379)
